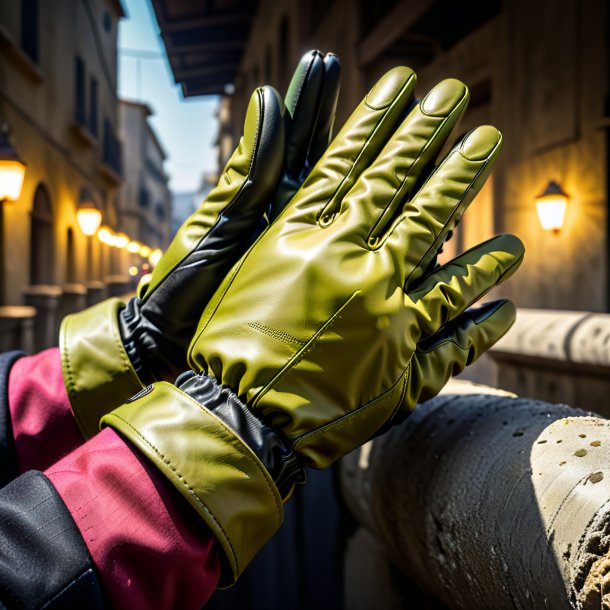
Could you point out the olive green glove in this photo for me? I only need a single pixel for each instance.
(332, 324)
(111, 351)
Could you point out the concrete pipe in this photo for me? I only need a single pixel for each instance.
(491, 502)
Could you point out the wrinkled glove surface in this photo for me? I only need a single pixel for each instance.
(334, 323)
(329, 326)
(110, 351)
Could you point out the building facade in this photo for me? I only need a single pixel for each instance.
(58, 81)
(145, 203)
(82, 147)
(538, 73)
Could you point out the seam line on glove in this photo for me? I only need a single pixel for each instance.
(230, 205)
(345, 419)
(436, 244)
(294, 361)
(70, 385)
(398, 192)
(327, 209)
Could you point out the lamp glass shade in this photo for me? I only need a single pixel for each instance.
(134, 246)
(121, 240)
(12, 172)
(155, 256)
(145, 251)
(551, 212)
(89, 219)
(551, 207)
(105, 235)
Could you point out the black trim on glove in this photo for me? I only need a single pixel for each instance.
(44, 563)
(280, 461)
(9, 468)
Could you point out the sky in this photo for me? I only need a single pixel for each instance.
(186, 128)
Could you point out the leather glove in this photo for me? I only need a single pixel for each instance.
(111, 351)
(332, 324)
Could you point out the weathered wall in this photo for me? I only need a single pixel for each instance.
(37, 101)
(538, 71)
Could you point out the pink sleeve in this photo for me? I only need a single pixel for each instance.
(44, 428)
(150, 548)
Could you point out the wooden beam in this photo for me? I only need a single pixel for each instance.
(204, 47)
(179, 25)
(204, 71)
(403, 16)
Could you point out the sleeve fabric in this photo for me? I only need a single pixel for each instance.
(43, 427)
(135, 538)
(9, 467)
(147, 543)
(44, 563)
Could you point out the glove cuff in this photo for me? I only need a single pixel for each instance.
(271, 449)
(97, 371)
(213, 468)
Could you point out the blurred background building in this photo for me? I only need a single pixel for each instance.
(84, 151)
(145, 208)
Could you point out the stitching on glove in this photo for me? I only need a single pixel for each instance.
(70, 385)
(345, 419)
(306, 348)
(276, 334)
(397, 192)
(436, 244)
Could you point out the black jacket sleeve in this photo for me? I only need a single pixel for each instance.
(44, 562)
(8, 458)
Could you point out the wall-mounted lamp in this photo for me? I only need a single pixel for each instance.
(145, 251)
(105, 235)
(88, 216)
(551, 206)
(121, 241)
(12, 168)
(155, 256)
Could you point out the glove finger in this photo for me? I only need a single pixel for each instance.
(458, 345)
(215, 234)
(323, 130)
(393, 178)
(444, 294)
(302, 102)
(440, 203)
(355, 146)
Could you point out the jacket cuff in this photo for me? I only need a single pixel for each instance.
(213, 468)
(45, 563)
(96, 369)
(9, 467)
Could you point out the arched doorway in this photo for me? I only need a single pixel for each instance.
(41, 238)
(70, 257)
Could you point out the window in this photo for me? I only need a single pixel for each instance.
(70, 257)
(107, 19)
(41, 238)
(112, 151)
(160, 211)
(284, 54)
(93, 106)
(143, 198)
(29, 28)
(268, 66)
(80, 107)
